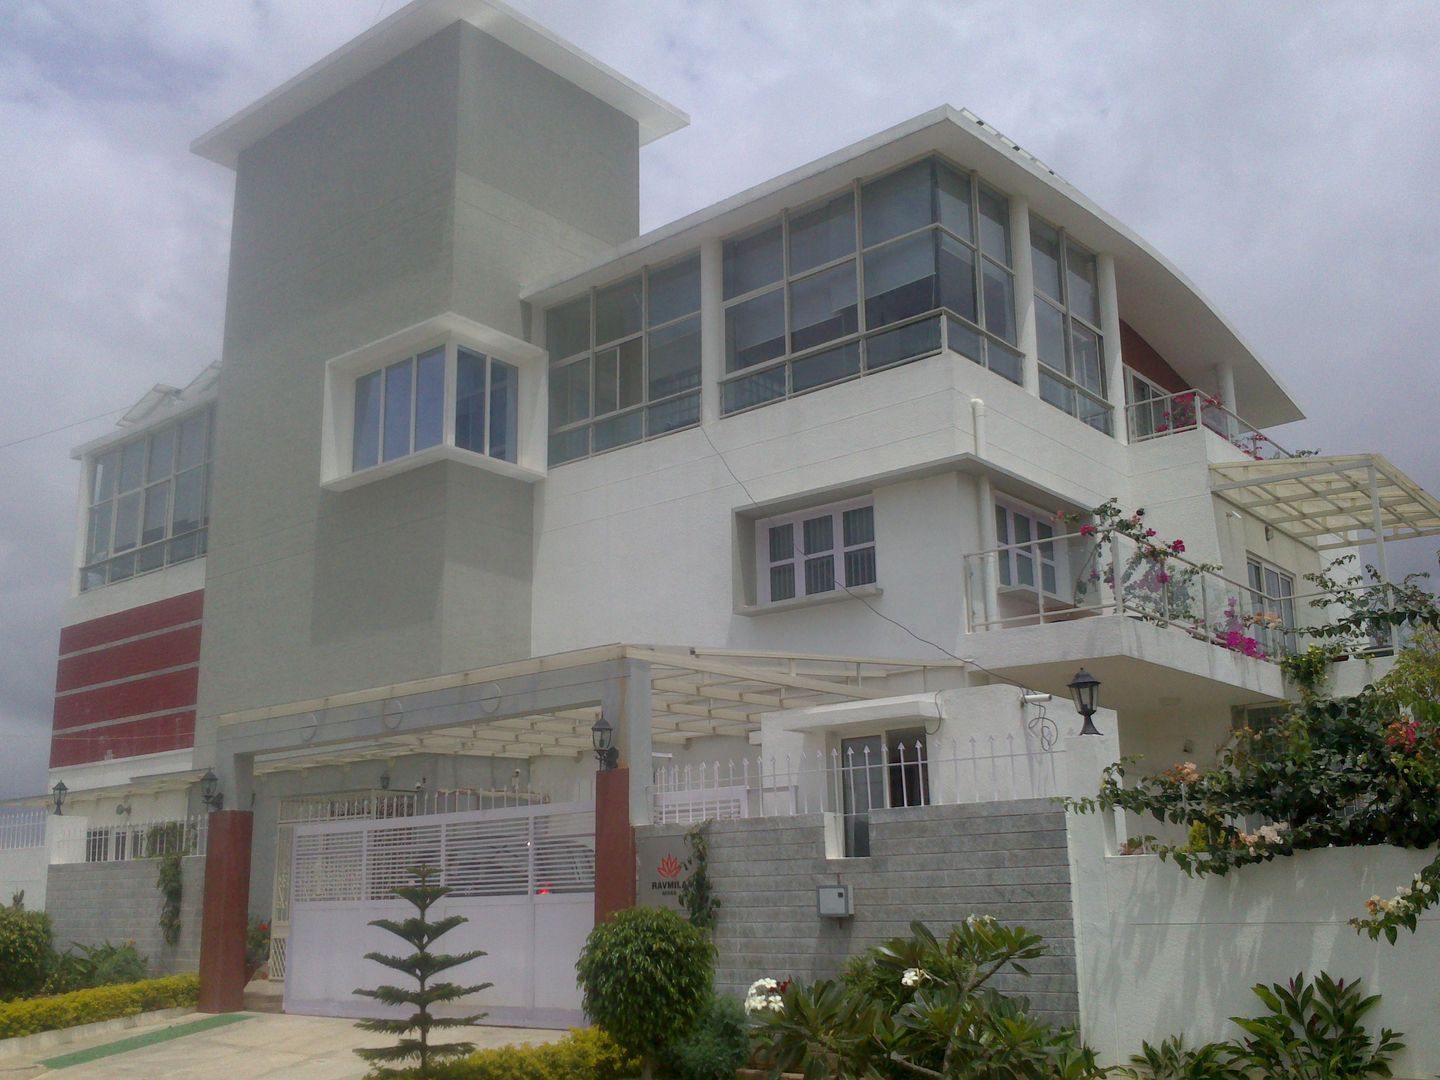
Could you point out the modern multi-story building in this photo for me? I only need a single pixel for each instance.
(797, 477)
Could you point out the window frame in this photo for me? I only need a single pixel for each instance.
(525, 446)
(110, 563)
(1284, 637)
(838, 550)
(639, 411)
(861, 338)
(1007, 576)
(1069, 320)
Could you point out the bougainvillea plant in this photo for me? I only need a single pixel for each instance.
(1156, 583)
(1338, 772)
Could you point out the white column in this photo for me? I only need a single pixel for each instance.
(989, 600)
(625, 702)
(1110, 329)
(712, 327)
(1225, 383)
(1021, 262)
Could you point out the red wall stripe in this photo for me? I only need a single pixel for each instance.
(133, 621)
(151, 736)
(133, 658)
(156, 693)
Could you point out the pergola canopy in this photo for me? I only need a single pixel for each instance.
(694, 692)
(1335, 501)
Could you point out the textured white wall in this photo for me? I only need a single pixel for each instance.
(1161, 953)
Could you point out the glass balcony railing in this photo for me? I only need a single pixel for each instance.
(1077, 576)
(1191, 409)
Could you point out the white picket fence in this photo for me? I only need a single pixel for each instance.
(925, 773)
(20, 829)
(128, 841)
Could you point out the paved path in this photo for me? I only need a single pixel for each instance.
(262, 1047)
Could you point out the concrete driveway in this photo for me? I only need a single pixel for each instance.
(261, 1046)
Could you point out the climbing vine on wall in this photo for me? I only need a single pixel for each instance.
(171, 889)
(697, 892)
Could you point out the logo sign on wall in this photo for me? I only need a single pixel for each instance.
(662, 870)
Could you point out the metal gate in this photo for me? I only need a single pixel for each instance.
(524, 877)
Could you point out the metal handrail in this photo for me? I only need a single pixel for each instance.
(1233, 428)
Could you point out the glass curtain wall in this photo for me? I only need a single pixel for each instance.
(825, 294)
(625, 361)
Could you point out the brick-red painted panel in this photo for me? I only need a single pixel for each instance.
(1141, 355)
(132, 621)
(176, 690)
(133, 658)
(152, 736)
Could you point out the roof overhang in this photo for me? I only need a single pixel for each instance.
(1157, 300)
(694, 693)
(152, 784)
(1337, 501)
(408, 27)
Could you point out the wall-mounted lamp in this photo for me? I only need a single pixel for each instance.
(385, 780)
(210, 793)
(1085, 691)
(59, 791)
(602, 737)
(122, 809)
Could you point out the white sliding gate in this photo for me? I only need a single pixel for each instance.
(523, 876)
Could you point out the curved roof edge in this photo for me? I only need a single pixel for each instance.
(1157, 299)
(412, 24)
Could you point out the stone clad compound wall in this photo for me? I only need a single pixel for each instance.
(937, 864)
(92, 903)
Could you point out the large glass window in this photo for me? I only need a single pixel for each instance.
(149, 502)
(1067, 326)
(625, 359)
(816, 552)
(797, 315)
(399, 409)
(491, 430)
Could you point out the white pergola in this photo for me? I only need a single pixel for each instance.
(694, 693)
(1336, 501)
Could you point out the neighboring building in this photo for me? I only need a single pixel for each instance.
(808, 446)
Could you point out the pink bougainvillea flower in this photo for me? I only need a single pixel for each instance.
(1162, 577)
(1177, 545)
(1234, 640)
(1087, 530)
(1149, 533)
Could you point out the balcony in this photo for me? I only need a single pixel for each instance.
(1189, 410)
(1058, 579)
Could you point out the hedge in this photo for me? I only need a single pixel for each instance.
(102, 1003)
(584, 1054)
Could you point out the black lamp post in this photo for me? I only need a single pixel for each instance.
(210, 793)
(602, 736)
(1084, 690)
(59, 791)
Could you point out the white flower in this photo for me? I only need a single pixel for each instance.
(764, 996)
(912, 977)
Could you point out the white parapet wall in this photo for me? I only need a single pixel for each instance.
(1161, 953)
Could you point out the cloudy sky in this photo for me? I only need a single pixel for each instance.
(1284, 155)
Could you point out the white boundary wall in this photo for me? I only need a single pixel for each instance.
(1160, 953)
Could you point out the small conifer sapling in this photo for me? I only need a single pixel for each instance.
(422, 965)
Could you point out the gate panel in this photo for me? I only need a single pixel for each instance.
(523, 876)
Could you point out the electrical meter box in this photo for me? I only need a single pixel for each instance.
(834, 901)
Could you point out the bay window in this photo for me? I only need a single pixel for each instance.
(448, 388)
(625, 361)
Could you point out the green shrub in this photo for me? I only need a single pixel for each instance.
(584, 1054)
(645, 974)
(1173, 1060)
(25, 951)
(714, 1048)
(923, 1006)
(103, 1003)
(94, 965)
(1314, 1030)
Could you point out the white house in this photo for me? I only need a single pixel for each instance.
(776, 486)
